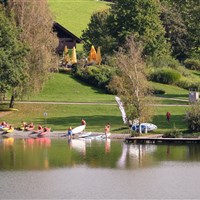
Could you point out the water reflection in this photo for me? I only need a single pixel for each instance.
(136, 156)
(46, 153)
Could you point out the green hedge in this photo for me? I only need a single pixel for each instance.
(192, 64)
(98, 75)
(188, 83)
(165, 75)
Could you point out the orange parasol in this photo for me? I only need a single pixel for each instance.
(92, 55)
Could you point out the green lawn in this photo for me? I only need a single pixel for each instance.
(171, 91)
(75, 14)
(177, 117)
(59, 117)
(64, 88)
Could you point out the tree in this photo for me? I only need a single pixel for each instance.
(131, 84)
(35, 21)
(141, 18)
(12, 56)
(176, 30)
(193, 117)
(97, 33)
(189, 10)
(128, 17)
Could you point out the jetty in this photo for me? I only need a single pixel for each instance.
(158, 139)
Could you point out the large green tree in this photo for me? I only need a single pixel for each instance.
(128, 17)
(141, 18)
(98, 33)
(12, 56)
(189, 11)
(176, 30)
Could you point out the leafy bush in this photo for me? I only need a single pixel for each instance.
(165, 75)
(95, 75)
(174, 133)
(192, 64)
(163, 61)
(193, 117)
(188, 83)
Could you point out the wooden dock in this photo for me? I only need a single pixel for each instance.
(160, 140)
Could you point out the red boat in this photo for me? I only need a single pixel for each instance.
(43, 133)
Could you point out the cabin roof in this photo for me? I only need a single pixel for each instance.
(57, 27)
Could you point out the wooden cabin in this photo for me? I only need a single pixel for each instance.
(66, 38)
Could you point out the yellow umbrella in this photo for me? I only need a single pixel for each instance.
(92, 55)
(66, 55)
(74, 59)
(98, 59)
(65, 50)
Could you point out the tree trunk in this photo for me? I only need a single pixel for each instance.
(12, 101)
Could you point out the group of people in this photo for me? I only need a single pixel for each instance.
(83, 122)
(31, 126)
(69, 130)
(27, 127)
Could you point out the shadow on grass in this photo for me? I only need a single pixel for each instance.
(173, 95)
(96, 89)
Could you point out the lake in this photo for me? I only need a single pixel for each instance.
(45, 168)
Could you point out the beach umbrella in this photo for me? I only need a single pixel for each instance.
(92, 55)
(66, 55)
(98, 58)
(74, 58)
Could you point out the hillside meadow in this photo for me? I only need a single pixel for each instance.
(75, 14)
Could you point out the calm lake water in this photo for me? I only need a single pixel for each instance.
(46, 168)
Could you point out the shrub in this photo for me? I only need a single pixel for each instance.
(193, 117)
(163, 61)
(95, 75)
(188, 83)
(192, 64)
(165, 75)
(174, 133)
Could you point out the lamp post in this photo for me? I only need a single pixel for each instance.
(45, 116)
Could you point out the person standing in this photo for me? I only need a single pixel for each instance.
(83, 122)
(107, 129)
(69, 133)
(168, 116)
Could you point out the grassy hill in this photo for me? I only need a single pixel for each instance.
(63, 87)
(75, 14)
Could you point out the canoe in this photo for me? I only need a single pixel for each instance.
(83, 135)
(44, 132)
(10, 130)
(5, 128)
